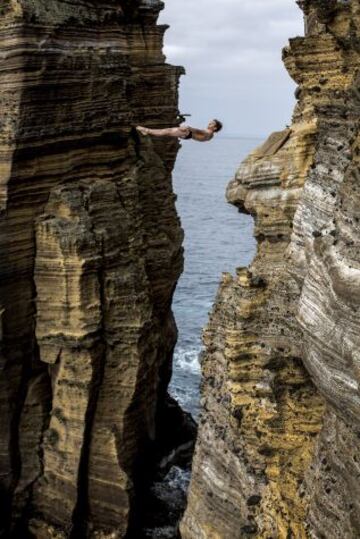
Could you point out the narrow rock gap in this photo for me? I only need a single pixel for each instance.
(217, 239)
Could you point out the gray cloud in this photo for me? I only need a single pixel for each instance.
(231, 50)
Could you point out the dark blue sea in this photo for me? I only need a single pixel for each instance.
(217, 238)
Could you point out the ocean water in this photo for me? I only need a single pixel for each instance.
(217, 238)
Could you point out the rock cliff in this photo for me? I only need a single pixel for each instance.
(90, 252)
(278, 449)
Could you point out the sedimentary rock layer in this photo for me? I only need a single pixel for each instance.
(277, 453)
(89, 257)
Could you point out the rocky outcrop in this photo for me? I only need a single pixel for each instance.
(89, 259)
(277, 452)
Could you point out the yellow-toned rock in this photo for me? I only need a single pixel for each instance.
(90, 252)
(277, 450)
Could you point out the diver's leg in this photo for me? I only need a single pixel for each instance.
(168, 132)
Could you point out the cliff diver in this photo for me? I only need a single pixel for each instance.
(184, 132)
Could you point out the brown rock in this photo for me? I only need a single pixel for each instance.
(280, 376)
(89, 257)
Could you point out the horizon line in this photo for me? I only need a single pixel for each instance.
(242, 136)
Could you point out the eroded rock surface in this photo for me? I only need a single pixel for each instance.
(89, 258)
(277, 453)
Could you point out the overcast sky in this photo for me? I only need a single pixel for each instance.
(231, 50)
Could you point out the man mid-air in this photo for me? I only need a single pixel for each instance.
(184, 132)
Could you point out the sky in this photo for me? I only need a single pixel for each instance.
(231, 50)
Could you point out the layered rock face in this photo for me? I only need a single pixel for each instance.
(278, 449)
(89, 258)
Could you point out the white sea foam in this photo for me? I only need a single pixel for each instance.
(178, 478)
(187, 359)
(185, 381)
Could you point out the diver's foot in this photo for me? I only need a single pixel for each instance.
(142, 130)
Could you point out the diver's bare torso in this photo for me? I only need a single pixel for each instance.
(201, 135)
